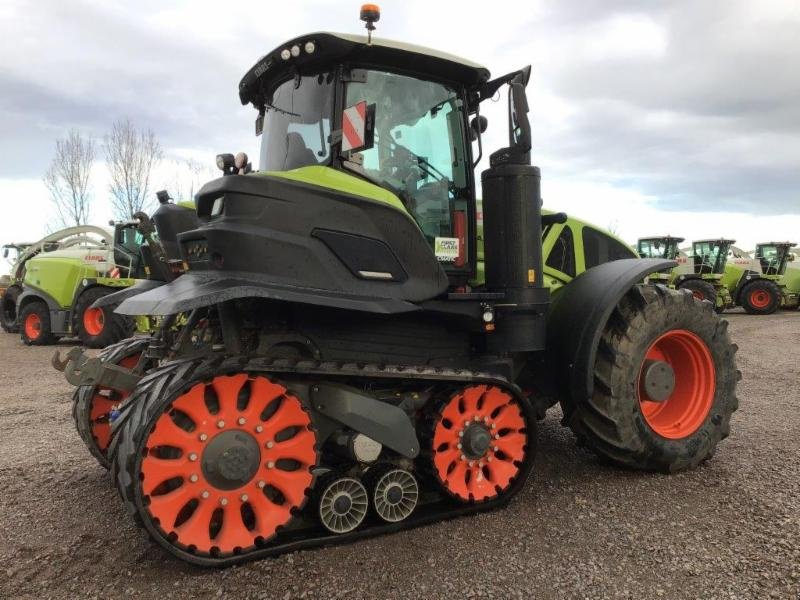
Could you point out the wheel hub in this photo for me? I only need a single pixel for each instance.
(231, 459)
(476, 440)
(342, 504)
(658, 380)
(394, 494)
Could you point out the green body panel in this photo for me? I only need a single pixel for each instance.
(790, 284)
(340, 181)
(58, 277)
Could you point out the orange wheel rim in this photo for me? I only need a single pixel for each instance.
(760, 298)
(103, 402)
(33, 326)
(94, 321)
(689, 404)
(190, 485)
(467, 472)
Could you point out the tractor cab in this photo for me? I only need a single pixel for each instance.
(710, 256)
(348, 111)
(774, 256)
(659, 247)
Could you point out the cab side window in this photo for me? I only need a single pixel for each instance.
(562, 256)
(598, 248)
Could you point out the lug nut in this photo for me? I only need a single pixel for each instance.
(259, 429)
(193, 457)
(270, 465)
(223, 501)
(261, 484)
(244, 498)
(472, 463)
(220, 423)
(495, 448)
(193, 478)
(494, 426)
(477, 418)
(463, 457)
(459, 446)
(203, 437)
(270, 444)
(242, 421)
(497, 436)
(205, 494)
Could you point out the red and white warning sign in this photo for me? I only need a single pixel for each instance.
(357, 127)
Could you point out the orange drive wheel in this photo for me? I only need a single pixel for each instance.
(104, 400)
(33, 326)
(680, 364)
(479, 443)
(94, 321)
(227, 464)
(760, 298)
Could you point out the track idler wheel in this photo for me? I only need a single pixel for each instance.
(343, 503)
(227, 464)
(395, 493)
(479, 443)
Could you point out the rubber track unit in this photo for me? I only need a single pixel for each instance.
(83, 395)
(609, 425)
(163, 384)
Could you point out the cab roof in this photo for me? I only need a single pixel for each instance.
(333, 48)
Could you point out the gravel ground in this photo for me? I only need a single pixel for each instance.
(581, 529)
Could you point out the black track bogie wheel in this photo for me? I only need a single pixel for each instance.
(99, 327)
(93, 405)
(34, 324)
(700, 289)
(342, 502)
(760, 297)
(8, 309)
(664, 383)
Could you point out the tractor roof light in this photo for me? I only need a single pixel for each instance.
(286, 54)
(310, 47)
(370, 14)
(295, 51)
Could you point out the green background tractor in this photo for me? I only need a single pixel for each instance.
(757, 283)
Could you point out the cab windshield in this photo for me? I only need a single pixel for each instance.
(658, 249)
(297, 124)
(710, 256)
(419, 154)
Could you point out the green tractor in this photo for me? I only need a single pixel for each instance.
(760, 284)
(699, 272)
(73, 288)
(348, 365)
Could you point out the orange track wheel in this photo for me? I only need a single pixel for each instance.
(479, 443)
(686, 408)
(33, 326)
(94, 321)
(228, 463)
(104, 400)
(760, 299)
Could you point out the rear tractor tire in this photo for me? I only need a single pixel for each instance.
(664, 383)
(760, 297)
(8, 309)
(34, 325)
(92, 405)
(99, 327)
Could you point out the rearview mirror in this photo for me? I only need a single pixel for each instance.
(479, 125)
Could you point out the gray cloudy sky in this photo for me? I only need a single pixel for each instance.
(679, 117)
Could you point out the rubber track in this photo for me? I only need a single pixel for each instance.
(603, 422)
(82, 397)
(163, 384)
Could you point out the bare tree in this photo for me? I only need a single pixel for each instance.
(131, 156)
(67, 178)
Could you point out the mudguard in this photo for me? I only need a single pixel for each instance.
(141, 286)
(205, 288)
(579, 312)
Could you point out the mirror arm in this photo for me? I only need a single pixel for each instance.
(480, 136)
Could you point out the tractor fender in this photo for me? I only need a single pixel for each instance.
(29, 295)
(141, 286)
(206, 288)
(578, 315)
